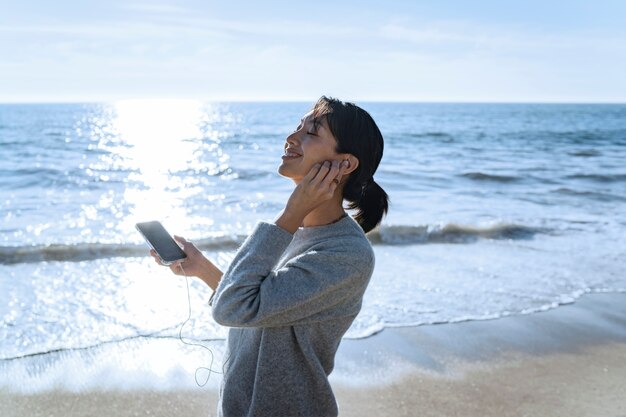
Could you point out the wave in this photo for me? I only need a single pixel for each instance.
(426, 134)
(603, 178)
(383, 235)
(149, 336)
(585, 137)
(481, 176)
(450, 233)
(585, 153)
(589, 194)
(91, 251)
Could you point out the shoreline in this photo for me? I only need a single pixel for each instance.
(592, 319)
(567, 361)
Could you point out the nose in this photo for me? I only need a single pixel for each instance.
(292, 138)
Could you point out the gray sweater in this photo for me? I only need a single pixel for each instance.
(289, 299)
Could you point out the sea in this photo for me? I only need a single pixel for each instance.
(495, 210)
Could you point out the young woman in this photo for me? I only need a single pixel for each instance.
(295, 285)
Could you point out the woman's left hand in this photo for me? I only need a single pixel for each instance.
(195, 264)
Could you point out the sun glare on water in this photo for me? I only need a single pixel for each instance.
(161, 138)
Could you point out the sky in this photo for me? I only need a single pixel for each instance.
(437, 50)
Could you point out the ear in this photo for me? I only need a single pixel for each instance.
(352, 160)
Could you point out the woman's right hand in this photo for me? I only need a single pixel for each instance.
(317, 186)
(195, 264)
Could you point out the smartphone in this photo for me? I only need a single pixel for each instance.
(162, 242)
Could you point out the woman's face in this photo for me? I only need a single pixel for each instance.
(313, 142)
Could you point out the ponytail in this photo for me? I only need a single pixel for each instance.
(371, 205)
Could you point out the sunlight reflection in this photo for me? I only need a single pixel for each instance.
(164, 133)
(163, 137)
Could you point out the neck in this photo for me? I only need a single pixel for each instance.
(326, 213)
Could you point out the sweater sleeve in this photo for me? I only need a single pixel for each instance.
(311, 287)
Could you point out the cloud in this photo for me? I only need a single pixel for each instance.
(186, 53)
(469, 34)
(155, 8)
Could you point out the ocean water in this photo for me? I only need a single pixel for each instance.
(495, 209)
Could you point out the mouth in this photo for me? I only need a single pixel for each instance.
(289, 154)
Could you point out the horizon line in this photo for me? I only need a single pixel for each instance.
(300, 100)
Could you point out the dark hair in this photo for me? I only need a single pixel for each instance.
(357, 134)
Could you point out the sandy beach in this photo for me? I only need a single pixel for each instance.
(569, 361)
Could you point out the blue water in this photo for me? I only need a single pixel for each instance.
(496, 209)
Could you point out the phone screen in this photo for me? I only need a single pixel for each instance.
(161, 241)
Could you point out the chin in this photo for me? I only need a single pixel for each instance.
(287, 173)
(282, 169)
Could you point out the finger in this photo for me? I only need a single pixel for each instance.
(321, 174)
(182, 242)
(313, 171)
(342, 169)
(332, 173)
(177, 267)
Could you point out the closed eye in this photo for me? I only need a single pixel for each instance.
(313, 132)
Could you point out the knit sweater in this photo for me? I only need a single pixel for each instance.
(289, 299)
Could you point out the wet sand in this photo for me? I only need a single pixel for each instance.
(569, 361)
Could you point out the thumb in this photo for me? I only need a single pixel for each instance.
(180, 240)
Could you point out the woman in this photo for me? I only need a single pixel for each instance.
(295, 285)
